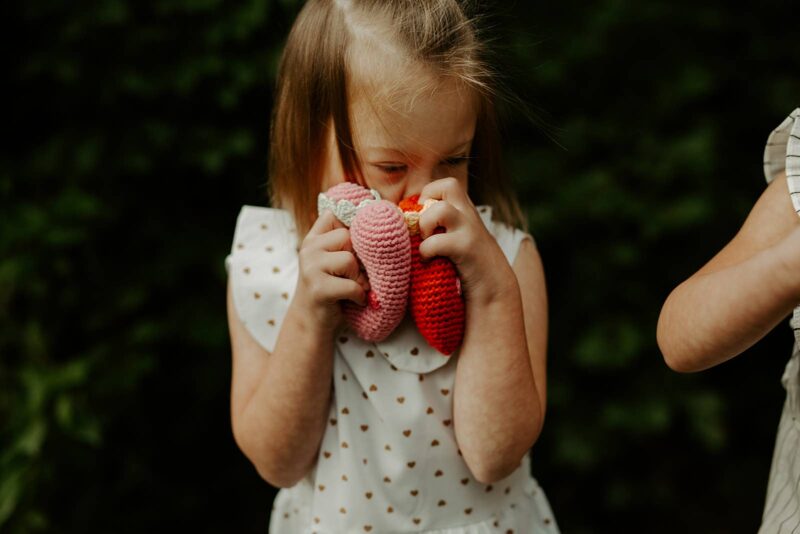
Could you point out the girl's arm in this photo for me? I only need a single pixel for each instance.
(280, 401)
(499, 394)
(499, 401)
(741, 294)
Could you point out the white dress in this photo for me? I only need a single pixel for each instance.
(782, 507)
(389, 461)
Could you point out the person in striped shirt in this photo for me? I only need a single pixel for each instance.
(741, 294)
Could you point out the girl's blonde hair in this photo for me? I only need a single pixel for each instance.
(315, 81)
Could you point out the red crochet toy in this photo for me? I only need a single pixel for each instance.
(386, 241)
(437, 306)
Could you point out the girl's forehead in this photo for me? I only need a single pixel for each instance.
(432, 117)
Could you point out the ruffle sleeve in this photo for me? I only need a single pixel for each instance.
(262, 270)
(783, 153)
(508, 237)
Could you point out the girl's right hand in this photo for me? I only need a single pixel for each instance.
(329, 273)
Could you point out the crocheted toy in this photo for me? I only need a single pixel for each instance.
(435, 297)
(380, 241)
(386, 241)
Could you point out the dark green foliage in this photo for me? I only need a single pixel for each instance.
(135, 131)
(663, 109)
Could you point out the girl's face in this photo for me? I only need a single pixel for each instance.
(405, 144)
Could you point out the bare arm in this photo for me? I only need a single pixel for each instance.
(741, 294)
(498, 402)
(500, 388)
(280, 401)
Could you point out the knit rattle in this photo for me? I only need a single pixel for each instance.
(435, 297)
(386, 241)
(381, 244)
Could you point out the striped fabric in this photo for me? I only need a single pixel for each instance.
(782, 508)
(783, 152)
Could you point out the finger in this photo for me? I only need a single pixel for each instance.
(333, 241)
(441, 214)
(363, 281)
(326, 222)
(441, 245)
(345, 289)
(342, 264)
(449, 189)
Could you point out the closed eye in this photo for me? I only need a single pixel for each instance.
(455, 161)
(391, 169)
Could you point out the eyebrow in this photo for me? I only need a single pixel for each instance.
(452, 150)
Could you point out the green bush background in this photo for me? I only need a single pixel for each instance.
(136, 130)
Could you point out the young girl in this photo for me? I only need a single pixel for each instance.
(741, 294)
(390, 436)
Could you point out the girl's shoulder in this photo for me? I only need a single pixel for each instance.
(262, 270)
(508, 237)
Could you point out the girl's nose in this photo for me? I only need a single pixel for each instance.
(418, 179)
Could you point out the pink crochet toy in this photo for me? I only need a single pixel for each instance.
(381, 243)
(386, 241)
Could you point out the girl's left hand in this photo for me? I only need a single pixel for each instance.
(485, 273)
